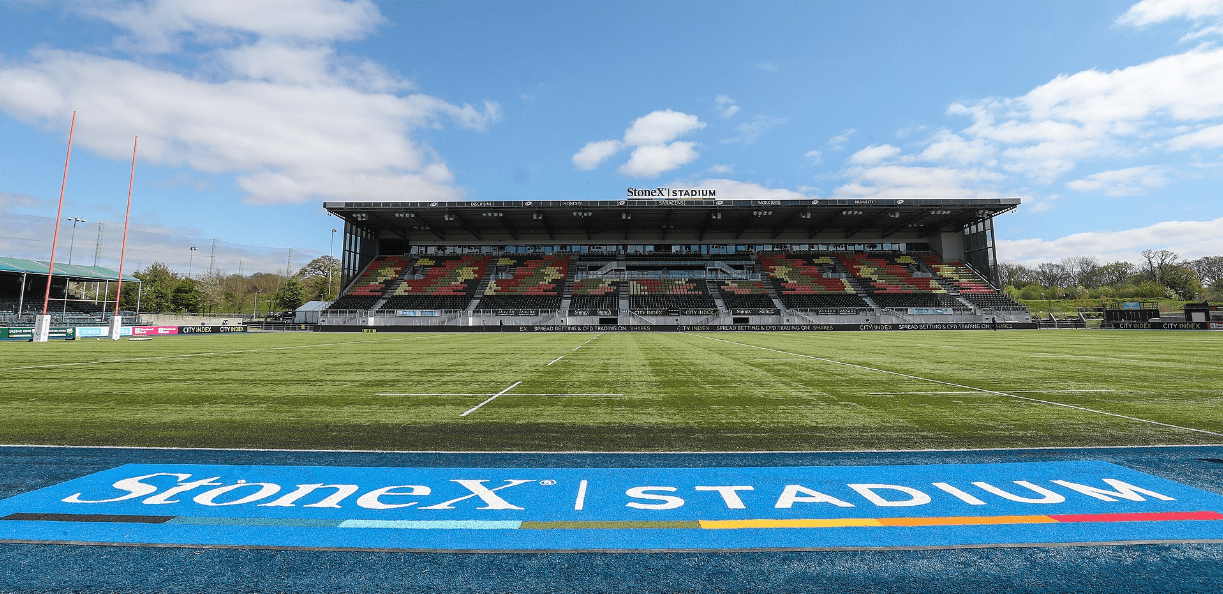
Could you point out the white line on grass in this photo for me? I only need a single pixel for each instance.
(978, 392)
(189, 355)
(487, 394)
(555, 360)
(494, 397)
(926, 379)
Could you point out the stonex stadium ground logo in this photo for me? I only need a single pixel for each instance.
(506, 509)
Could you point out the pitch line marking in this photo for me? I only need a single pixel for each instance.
(487, 394)
(555, 360)
(926, 379)
(494, 397)
(977, 392)
(188, 355)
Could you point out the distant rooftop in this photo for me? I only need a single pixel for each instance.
(72, 271)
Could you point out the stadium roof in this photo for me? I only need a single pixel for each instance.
(72, 271)
(649, 220)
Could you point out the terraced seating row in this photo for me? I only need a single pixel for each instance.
(905, 300)
(958, 276)
(534, 283)
(800, 282)
(745, 294)
(446, 282)
(889, 274)
(995, 301)
(595, 293)
(378, 275)
(651, 294)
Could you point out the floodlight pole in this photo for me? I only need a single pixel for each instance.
(42, 323)
(116, 323)
(330, 263)
(72, 240)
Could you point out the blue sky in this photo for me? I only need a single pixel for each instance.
(1105, 117)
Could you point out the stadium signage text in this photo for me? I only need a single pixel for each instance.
(671, 193)
(617, 508)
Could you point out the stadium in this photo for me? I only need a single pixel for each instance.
(804, 362)
(752, 384)
(659, 263)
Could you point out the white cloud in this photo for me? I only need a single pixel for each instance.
(1039, 204)
(732, 189)
(1122, 182)
(873, 154)
(837, 142)
(721, 169)
(651, 160)
(1208, 137)
(282, 137)
(767, 66)
(948, 147)
(158, 25)
(813, 157)
(1149, 12)
(290, 117)
(660, 127)
(901, 181)
(750, 132)
(1095, 115)
(307, 65)
(726, 106)
(1189, 239)
(652, 135)
(594, 153)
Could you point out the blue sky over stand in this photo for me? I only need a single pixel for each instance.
(1105, 117)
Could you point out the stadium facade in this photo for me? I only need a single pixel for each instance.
(665, 256)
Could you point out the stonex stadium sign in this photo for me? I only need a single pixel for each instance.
(591, 509)
(671, 193)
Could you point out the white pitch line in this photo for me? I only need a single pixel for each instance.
(978, 392)
(494, 397)
(502, 394)
(577, 347)
(555, 360)
(189, 355)
(926, 379)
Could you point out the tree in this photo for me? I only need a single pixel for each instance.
(186, 297)
(156, 291)
(1052, 274)
(1183, 281)
(1209, 269)
(1014, 274)
(211, 289)
(292, 296)
(1080, 269)
(1113, 274)
(321, 277)
(1158, 262)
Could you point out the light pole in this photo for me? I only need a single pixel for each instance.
(330, 264)
(255, 314)
(72, 241)
(190, 260)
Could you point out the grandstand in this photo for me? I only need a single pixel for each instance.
(662, 262)
(78, 294)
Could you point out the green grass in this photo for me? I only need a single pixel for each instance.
(676, 392)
